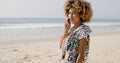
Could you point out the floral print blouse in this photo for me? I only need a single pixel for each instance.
(70, 45)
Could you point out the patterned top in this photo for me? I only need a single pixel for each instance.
(70, 44)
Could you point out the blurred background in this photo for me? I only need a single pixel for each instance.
(35, 19)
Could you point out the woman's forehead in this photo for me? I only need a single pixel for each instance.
(73, 10)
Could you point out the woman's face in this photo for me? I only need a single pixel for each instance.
(73, 15)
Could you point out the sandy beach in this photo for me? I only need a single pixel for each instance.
(104, 48)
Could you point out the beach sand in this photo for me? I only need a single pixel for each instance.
(104, 48)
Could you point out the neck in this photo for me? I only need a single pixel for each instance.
(76, 26)
(79, 23)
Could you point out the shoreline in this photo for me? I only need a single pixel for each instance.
(104, 48)
(57, 38)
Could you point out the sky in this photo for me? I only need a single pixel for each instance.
(54, 8)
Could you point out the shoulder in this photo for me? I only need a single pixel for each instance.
(83, 32)
(84, 28)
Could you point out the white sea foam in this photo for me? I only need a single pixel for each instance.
(104, 24)
(8, 26)
(46, 25)
(30, 25)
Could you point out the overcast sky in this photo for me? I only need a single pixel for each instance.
(54, 8)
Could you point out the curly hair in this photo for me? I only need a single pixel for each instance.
(83, 7)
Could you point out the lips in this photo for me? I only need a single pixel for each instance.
(71, 19)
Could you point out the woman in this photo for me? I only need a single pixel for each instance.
(75, 40)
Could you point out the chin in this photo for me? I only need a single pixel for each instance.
(72, 22)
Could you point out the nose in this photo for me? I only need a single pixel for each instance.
(71, 15)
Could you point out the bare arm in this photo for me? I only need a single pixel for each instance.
(62, 38)
(82, 46)
(67, 26)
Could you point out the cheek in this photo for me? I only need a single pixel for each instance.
(68, 15)
(73, 17)
(77, 17)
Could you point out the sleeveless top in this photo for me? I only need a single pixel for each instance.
(70, 44)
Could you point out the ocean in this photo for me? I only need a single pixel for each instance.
(38, 28)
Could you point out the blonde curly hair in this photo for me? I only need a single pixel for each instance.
(83, 7)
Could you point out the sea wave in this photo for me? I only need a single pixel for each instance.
(46, 25)
(30, 25)
(104, 24)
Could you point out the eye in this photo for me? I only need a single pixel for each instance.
(74, 13)
(69, 12)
